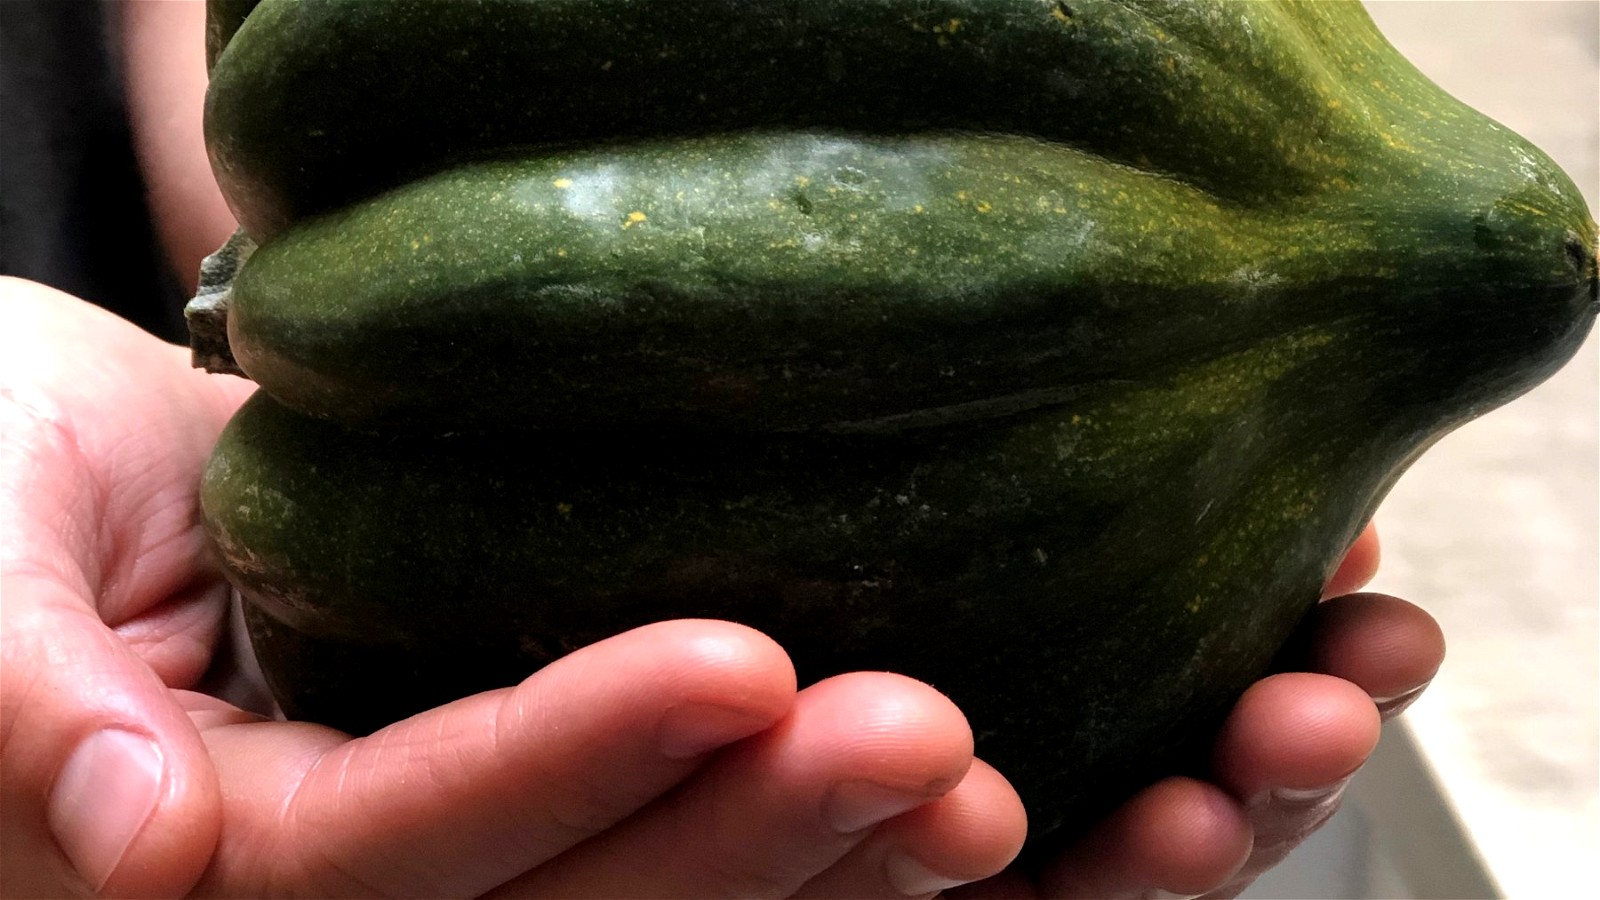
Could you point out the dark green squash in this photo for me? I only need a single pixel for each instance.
(312, 94)
(813, 275)
(1049, 352)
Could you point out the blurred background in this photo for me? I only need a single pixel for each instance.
(1488, 786)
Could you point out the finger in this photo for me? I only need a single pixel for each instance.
(461, 798)
(967, 835)
(770, 814)
(104, 783)
(1297, 731)
(1390, 648)
(1360, 564)
(1287, 751)
(1179, 835)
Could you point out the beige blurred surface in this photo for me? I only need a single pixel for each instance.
(1496, 531)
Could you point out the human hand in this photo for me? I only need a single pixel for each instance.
(592, 777)
(596, 776)
(1279, 766)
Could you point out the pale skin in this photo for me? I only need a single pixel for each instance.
(679, 759)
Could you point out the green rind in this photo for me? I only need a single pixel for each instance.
(1085, 488)
(1092, 584)
(753, 281)
(827, 278)
(1255, 101)
(779, 281)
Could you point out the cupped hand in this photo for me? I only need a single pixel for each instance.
(676, 759)
(1279, 766)
(597, 776)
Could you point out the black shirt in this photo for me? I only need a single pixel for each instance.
(72, 205)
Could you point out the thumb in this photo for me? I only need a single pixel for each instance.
(105, 786)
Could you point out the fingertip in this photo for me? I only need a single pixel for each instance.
(1387, 646)
(721, 681)
(736, 662)
(170, 853)
(969, 834)
(136, 809)
(130, 815)
(883, 715)
(1298, 731)
(109, 787)
(1180, 835)
(1193, 837)
(703, 683)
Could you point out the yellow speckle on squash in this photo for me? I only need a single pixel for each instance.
(562, 183)
(1394, 142)
(634, 218)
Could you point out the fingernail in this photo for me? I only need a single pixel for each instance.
(1389, 707)
(694, 729)
(103, 795)
(1310, 796)
(853, 805)
(909, 876)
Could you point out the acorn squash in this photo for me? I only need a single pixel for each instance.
(1049, 351)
